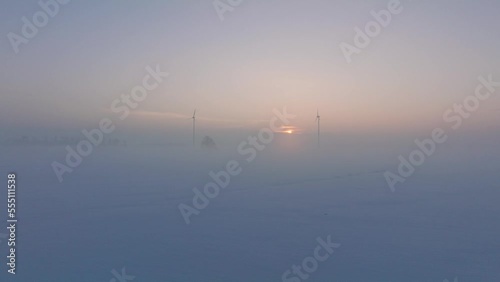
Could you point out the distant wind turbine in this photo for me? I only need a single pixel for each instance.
(318, 119)
(194, 127)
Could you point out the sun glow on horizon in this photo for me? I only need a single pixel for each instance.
(290, 129)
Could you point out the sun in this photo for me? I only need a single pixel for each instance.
(289, 131)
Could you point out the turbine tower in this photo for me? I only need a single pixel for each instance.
(318, 119)
(194, 127)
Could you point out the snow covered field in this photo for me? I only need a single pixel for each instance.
(250, 141)
(120, 209)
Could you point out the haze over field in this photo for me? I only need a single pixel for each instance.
(333, 140)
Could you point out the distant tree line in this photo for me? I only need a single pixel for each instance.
(57, 141)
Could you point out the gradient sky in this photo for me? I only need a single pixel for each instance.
(265, 54)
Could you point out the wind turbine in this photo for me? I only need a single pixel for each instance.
(318, 119)
(194, 127)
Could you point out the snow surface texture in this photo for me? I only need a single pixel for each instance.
(120, 209)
